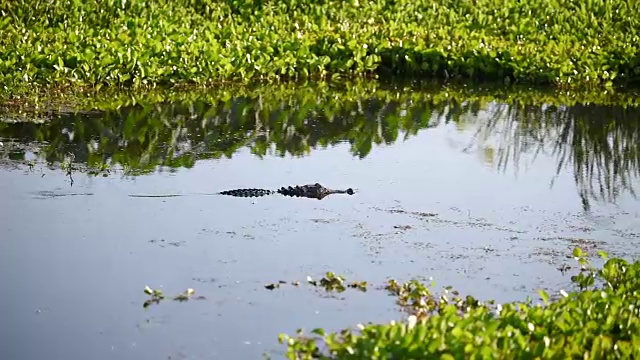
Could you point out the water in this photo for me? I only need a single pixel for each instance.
(487, 197)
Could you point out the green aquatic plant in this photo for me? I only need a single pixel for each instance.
(333, 282)
(595, 322)
(71, 43)
(330, 282)
(157, 295)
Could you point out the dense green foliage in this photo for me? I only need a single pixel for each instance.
(117, 42)
(595, 136)
(595, 323)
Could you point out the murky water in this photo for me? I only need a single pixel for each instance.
(488, 198)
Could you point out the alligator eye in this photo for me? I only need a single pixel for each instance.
(350, 191)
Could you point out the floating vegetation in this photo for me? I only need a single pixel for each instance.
(157, 296)
(333, 282)
(273, 286)
(602, 320)
(330, 282)
(184, 296)
(144, 43)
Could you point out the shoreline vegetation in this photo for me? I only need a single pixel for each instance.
(600, 320)
(37, 104)
(563, 43)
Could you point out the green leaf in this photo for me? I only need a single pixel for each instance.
(544, 295)
(577, 252)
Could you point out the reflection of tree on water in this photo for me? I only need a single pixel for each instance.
(600, 143)
(176, 135)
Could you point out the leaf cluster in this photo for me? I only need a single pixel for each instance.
(593, 323)
(144, 43)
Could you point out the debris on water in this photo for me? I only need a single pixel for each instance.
(402, 227)
(185, 296)
(271, 286)
(162, 242)
(564, 268)
(360, 285)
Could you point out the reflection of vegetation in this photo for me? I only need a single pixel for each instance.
(176, 135)
(175, 128)
(601, 144)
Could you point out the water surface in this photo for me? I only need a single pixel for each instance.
(487, 196)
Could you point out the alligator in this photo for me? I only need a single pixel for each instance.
(316, 191)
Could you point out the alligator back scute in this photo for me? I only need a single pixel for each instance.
(247, 192)
(291, 191)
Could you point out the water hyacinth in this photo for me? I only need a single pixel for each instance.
(589, 324)
(136, 42)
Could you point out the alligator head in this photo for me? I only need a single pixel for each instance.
(312, 191)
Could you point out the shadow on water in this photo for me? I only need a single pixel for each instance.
(424, 207)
